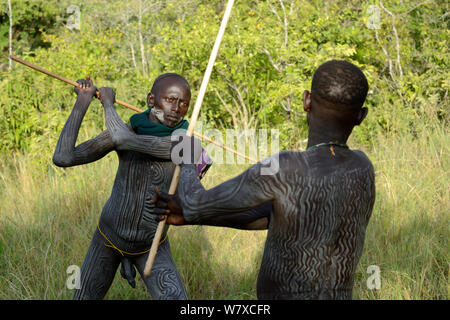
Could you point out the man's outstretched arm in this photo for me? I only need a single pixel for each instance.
(244, 202)
(123, 135)
(257, 218)
(66, 154)
(254, 219)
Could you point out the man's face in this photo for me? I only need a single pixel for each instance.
(173, 98)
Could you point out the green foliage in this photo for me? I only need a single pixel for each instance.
(31, 18)
(267, 58)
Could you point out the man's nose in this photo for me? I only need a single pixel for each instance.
(177, 105)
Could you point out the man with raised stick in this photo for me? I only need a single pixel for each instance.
(127, 224)
(322, 197)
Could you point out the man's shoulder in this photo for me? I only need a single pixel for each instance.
(304, 164)
(363, 158)
(290, 161)
(311, 164)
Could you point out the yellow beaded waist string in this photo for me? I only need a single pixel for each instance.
(122, 252)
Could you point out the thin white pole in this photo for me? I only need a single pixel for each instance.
(190, 130)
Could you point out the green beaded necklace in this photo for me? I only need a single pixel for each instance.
(343, 145)
(331, 144)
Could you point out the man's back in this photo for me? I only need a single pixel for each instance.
(322, 198)
(322, 205)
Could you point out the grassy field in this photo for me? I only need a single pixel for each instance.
(49, 214)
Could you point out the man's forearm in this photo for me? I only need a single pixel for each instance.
(229, 204)
(64, 151)
(125, 139)
(254, 219)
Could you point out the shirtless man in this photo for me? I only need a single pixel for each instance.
(127, 224)
(322, 197)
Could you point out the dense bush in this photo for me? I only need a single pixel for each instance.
(267, 57)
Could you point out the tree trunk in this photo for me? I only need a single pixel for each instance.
(10, 32)
(133, 57)
(141, 41)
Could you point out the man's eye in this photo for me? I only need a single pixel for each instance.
(183, 105)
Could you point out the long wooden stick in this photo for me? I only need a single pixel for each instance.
(224, 147)
(75, 84)
(190, 130)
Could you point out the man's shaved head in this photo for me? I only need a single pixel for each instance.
(169, 99)
(166, 76)
(340, 82)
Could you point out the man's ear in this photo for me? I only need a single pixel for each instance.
(150, 99)
(306, 101)
(362, 113)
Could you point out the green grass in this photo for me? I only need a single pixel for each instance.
(408, 234)
(48, 215)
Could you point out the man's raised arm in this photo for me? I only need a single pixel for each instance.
(66, 154)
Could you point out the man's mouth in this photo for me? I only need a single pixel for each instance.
(172, 118)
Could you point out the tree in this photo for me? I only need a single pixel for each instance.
(10, 32)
